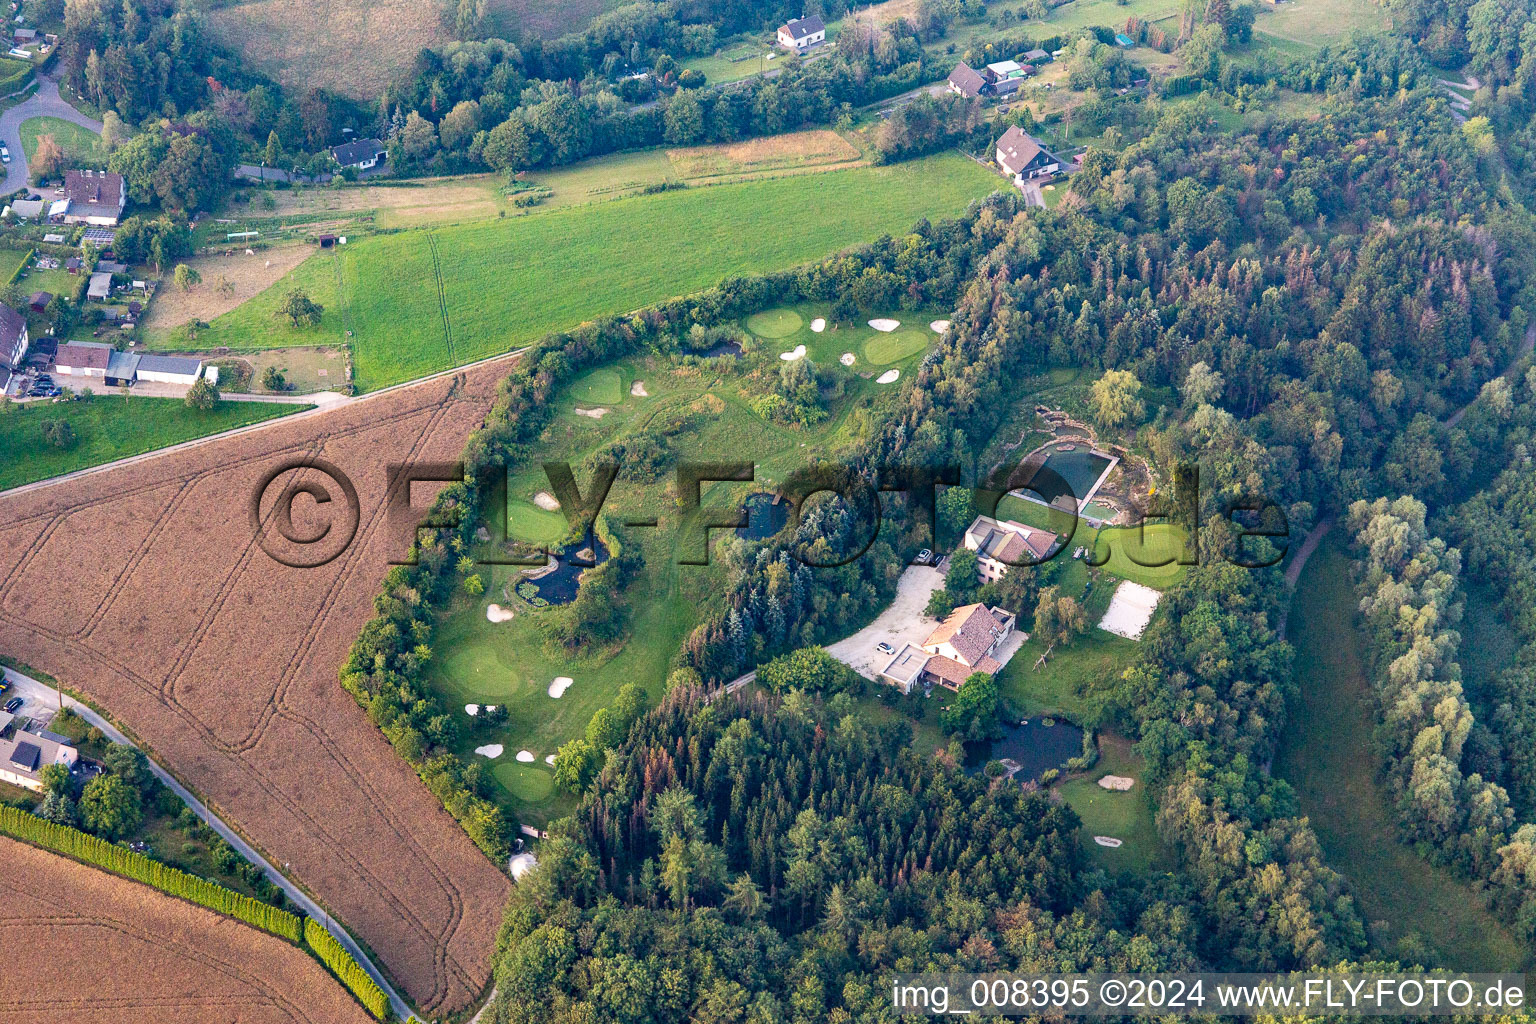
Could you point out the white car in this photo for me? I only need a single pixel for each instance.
(5, 154)
(885, 648)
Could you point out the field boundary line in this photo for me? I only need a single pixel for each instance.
(442, 298)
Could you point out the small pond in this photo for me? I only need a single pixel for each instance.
(724, 348)
(559, 586)
(1075, 472)
(765, 517)
(1036, 746)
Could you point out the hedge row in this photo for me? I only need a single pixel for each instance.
(120, 860)
(335, 956)
(25, 262)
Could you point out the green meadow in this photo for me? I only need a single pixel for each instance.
(419, 301)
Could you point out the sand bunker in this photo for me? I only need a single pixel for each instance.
(491, 750)
(939, 326)
(638, 389)
(1109, 841)
(818, 325)
(1130, 610)
(559, 686)
(790, 357)
(888, 377)
(550, 760)
(594, 414)
(885, 325)
(546, 501)
(496, 613)
(847, 358)
(1118, 783)
(526, 756)
(471, 709)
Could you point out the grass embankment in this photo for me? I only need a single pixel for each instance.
(420, 301)
(1327, 756)
(108, 428)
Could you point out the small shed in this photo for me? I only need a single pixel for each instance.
(39, 301)
(100, 288)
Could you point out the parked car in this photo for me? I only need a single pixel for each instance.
(885, 648)
(924, 557)
(14, 704)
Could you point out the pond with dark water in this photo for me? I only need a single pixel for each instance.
(765, 517)
(1036, 746)
(560, 586)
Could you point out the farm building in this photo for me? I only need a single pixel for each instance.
(13, 338)
(91, 197)
(363, 154)
(101, 287)
(963, 644)
(83, 359)
(169, 369)
(801, 34)
(23, 755)
(1000, 544)
(1022, 157)
(122, 367)
(966, 81)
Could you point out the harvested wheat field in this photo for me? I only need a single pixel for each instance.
(247, 276)
(360, 47)
(86, 947)
(426, 199)
(822, 149)
(143, 587)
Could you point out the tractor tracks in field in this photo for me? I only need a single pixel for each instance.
(442, 298)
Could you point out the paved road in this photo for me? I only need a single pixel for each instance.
(34, 690)
(45, 102)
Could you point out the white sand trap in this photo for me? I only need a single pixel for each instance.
(546, 501)
(1109, 841)
(1118, 783)
(471, 709)
(847, 358)
(526, 756)
(789, 357)
(491, 750)
(818, 325)
(939, 326)
(638, 389)
(885, 325)
(888, 377)
(593, 414)
(496, 613)
(559, 686)
(1130, 610)
(550, 760)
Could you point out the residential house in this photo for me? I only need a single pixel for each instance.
(83, 359)
(92, 197)
(1005, 76)
(801, 34)
(1023, 158)
(363, 154)
(13, 339)
(968, 641)
(1001, 544)
(23, 755)
(967, 81)
(100, 287)
(28, 209)
(169, 369)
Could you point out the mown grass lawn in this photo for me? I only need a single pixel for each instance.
(1123, 550)
(897, 345)
(82, 147)
(1126, 816)
(1327, 755)
(506, 283)
(108, 428)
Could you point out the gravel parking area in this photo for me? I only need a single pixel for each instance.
(902, 623)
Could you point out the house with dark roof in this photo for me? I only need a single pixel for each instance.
(971, 639)
(1023, 158)
(967, 81)
(1000, 544)
(83, 359)
(801, 34)
(363, 154)
(91, 197)
(1036, 56)
(24, 755)
(13, 338)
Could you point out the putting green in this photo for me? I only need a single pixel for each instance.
(603, 386)
(774, 323)
(527, 522)
(527, 782)
(896, 346)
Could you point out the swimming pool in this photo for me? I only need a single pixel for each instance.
(1072, 474)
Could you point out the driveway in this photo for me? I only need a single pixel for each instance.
(45, 102)
(902, 623)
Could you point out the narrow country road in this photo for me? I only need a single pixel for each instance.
(1527, 345)
(45, 102)
(32, 689)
